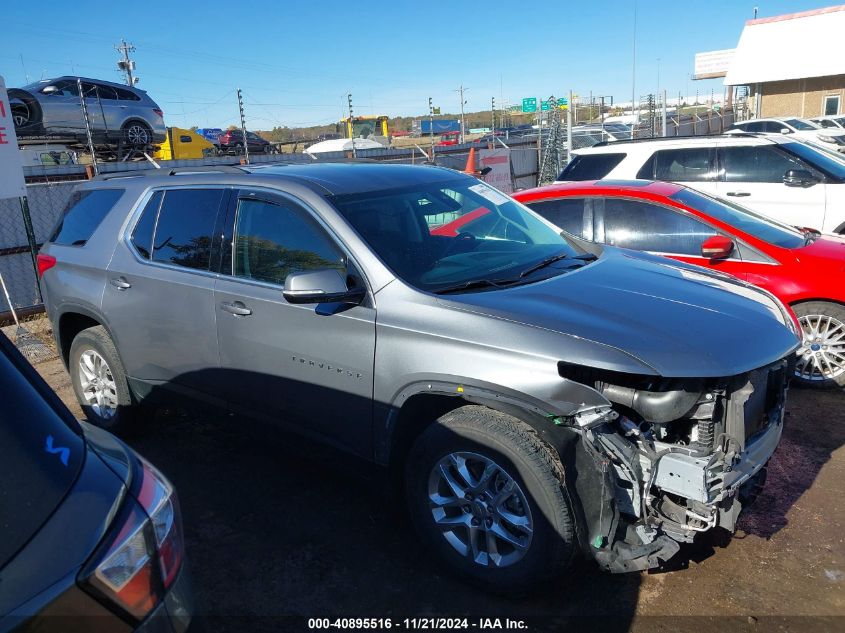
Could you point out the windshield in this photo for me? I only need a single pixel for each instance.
(821, 159)
(743, 219)
(800, 125)
(440, 235)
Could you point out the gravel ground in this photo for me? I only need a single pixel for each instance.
(278, 526)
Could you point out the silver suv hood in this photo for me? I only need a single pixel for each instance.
(682, 321)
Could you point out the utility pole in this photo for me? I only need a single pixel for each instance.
(634, 73)
(493, 116)
(431, 127)
(243, 126)
(463, 103)
(126, 65)
(351, 126)
(601, 112)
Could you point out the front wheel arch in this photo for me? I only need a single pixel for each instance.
(420, 410)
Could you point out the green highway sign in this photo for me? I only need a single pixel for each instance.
(562, 101)
(529, 104)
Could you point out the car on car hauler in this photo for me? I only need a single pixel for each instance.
(532, 394)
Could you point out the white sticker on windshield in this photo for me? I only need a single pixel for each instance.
(488, 193)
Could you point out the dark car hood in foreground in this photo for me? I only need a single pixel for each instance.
(679, 320)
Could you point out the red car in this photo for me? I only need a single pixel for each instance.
(450, 138)
(803, 268)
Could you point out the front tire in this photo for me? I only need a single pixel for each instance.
(487, 495)
(821, 359)
(99, 380)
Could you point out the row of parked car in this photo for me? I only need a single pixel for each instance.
(779, 201)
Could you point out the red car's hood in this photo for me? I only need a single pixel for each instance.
(827, 247)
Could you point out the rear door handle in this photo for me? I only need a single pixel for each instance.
(237, 308)
(739, 194)
(120, 283)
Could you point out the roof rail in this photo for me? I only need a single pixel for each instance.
(686, 137)
(175, 171)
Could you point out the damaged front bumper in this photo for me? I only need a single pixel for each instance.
(663, 483)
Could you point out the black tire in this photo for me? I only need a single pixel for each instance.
(97, 340)
(20, 100)
(136, 134)
(532, 465)
(820, 319)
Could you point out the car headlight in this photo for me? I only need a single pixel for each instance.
(827, 138)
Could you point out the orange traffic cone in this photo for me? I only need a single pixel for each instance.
(470, 166)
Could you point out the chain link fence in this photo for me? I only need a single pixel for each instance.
(536, 156)
(24, 226)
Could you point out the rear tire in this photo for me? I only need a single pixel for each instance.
(99, 380)
(137, 134)
(821, 359)
(487, 495)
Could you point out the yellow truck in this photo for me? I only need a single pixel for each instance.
(366, 126)
(181, 143)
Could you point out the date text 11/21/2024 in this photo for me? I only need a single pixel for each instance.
(417, 624)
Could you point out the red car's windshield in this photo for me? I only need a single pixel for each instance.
(743, 219)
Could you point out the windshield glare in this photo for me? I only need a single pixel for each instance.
(826, 161)
(741, 218)
(800, 125)
(446, 234)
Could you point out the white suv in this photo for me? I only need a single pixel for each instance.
(802, 128)
(777, 176)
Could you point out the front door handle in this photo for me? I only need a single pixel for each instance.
(237, 308)
(120, 283)
(739, 194)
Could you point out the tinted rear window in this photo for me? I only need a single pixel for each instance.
(565, 213)
(590, 166)
(185, 227)
(142, 236)
(83, 214)
(40, 455)
(690, 164)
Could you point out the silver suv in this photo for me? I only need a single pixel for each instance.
(116, 113)
(535, 395)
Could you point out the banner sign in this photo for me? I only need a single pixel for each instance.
(499, 161)
(11, 166)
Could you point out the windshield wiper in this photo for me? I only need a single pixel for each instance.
(543, 264)
(810, 235)
(476, 283)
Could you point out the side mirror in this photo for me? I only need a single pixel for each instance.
(49, 90)
(785, 130)
(321, 286)
(717, 247)
(799, 178)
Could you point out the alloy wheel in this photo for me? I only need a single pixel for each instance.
(97, 384)
(137, 134)
(822, 355)
(20, 115)
(480, 509)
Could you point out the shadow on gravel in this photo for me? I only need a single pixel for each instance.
(277, 525)
(808, 440)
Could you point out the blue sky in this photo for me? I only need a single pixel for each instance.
(300, 59)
